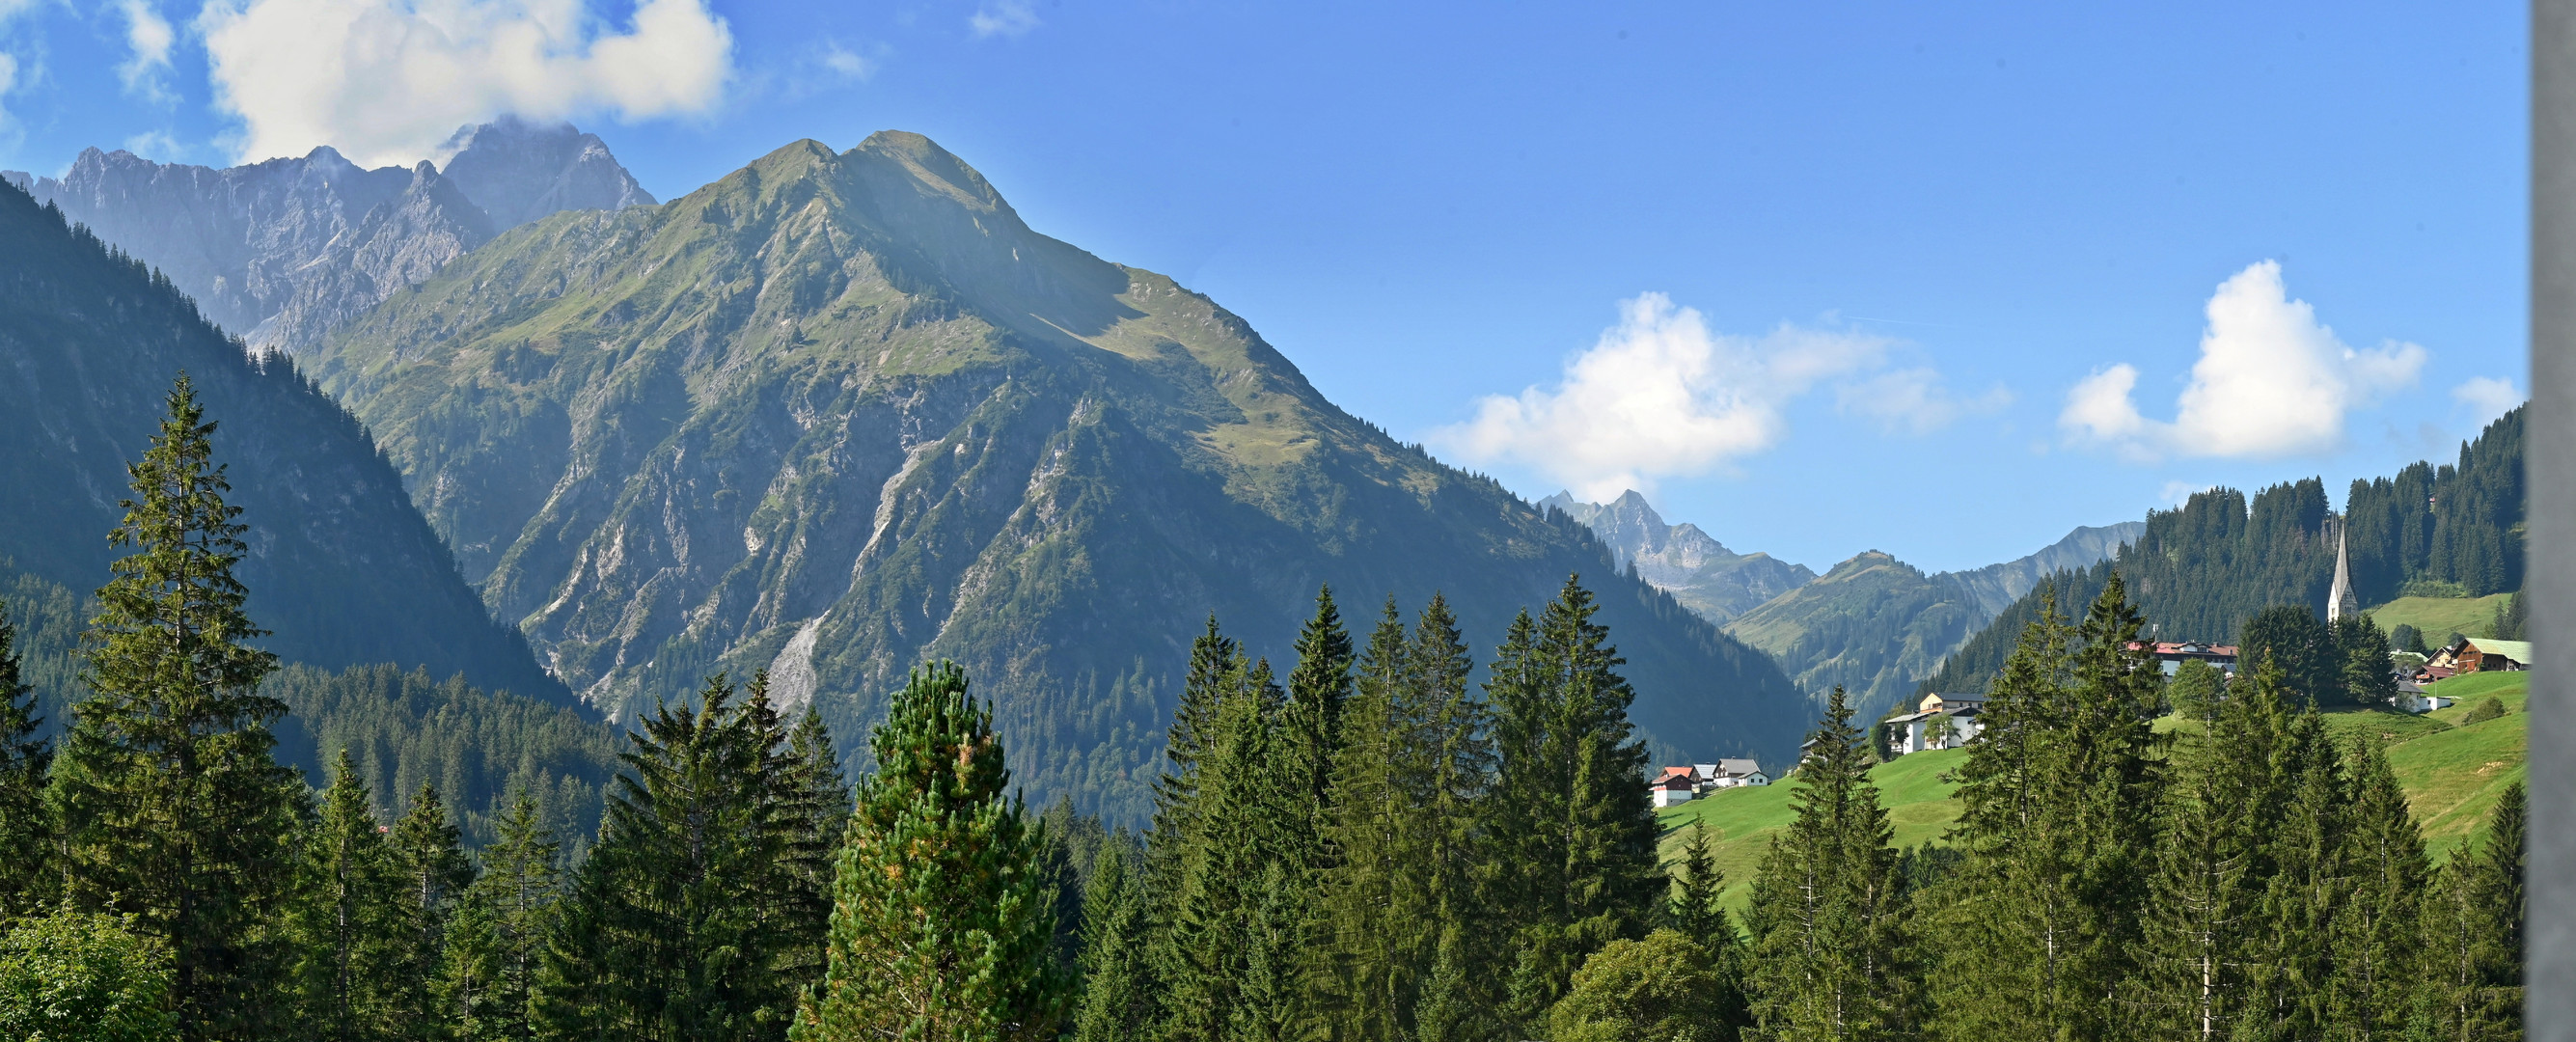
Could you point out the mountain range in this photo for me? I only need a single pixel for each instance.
(835, 415)
(285, 250)
(1872, 624)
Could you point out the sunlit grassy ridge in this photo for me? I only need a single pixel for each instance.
(2439, 617)
(2452, 771)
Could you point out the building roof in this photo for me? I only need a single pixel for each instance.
(1671, 781)
(1674, 772)
(2186, 648)
(2517, 650)
(1738, 767)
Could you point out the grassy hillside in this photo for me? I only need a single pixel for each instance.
(2452, 771)
(1741, 822)
(2439, 617)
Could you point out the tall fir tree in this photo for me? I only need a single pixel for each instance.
(2205, 916)
(671, 930)
(2377, 934)
(496, 947)
(347, 924)
(1695, 911)
(1574, 827)
(1455, 761)
(172, 804)
(2304, 851)
(943, 926)
(429, 856)
(818, 797)
(1375, 933)
(2369, 677)
(1234, 937)
(1118, 981)
(26, 824)
(2058, 800)
(1831, 922)
(2473, 936)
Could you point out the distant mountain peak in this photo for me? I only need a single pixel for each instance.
(285, 249)
(1682, 560)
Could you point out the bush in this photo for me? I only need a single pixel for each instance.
(76, 977)
(1662, 988)
(2487, 710)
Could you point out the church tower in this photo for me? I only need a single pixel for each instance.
(2341, 601)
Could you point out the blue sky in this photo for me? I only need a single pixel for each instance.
(1942, 280)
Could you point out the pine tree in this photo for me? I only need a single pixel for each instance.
(1574, 828)
(2304, 850)
(2059, 796)
(2369, 677)
(942, 927)
(25, 824)
(173, 808)
(818, 796)
(1118, 990)
(2204, 922)
(1694, 912)
(2377, 933)
(1453, 767)
(429, 858)
(348, 924)
(1376, 935)
(496, 948)
(1231, 961)
(671, 929)
(1830, 919)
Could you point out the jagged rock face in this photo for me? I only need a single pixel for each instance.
(517, 172)
(1682, 560)
(839, 414)
(284, 250)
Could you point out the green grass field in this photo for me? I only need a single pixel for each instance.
(1741, 822)
(2439, 617)
(2452, 771)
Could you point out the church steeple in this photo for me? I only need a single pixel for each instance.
(2341, 601)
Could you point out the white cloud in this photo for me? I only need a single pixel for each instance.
(2180, 492)
(148, 37)
(1916, 401)
(1007, 18)
(2487, 397)
(847, 63)
(2271, 381)
(1658, 396)
(386, 81)
(157, 145)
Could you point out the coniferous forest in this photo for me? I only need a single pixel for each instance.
(1364, 843)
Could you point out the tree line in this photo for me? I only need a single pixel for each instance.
(1372, 846)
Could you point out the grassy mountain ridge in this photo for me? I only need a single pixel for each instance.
(840, 413)
(339, 564)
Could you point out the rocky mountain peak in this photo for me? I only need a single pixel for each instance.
(265, 247)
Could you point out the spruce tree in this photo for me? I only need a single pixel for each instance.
(1118, 978)
(2058, 796)
(26, 831)
(2203, 928)
(1233, 947)
(818, 798)
(429, 857)
(2304, 851)
(173, 807)
(1453, 762)
(942, 927)
(1574, 827)
(2369, 677)
(496, 948)
(1376, 934)
(1694, 912)
(671, 929)
(349, 927)
(1832, 949)
(2377, 934)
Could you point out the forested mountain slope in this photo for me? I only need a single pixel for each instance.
(282, 251)
(2200, 570)
(341, 567)
(838, 414)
